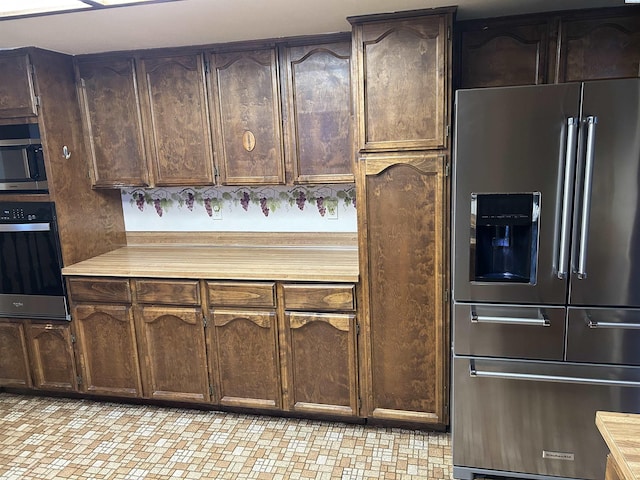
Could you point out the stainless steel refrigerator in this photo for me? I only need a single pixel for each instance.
(546, 275)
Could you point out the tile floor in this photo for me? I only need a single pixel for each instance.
(54, 438)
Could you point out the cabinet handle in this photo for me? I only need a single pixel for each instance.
(537, 322)
(66, 153)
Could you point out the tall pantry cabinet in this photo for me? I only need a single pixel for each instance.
(402, 95)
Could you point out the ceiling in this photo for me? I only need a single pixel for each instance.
(201, 22)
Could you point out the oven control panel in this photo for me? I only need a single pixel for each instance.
(26, 212)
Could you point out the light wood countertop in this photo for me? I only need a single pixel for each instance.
(296, 263)
(621, 432)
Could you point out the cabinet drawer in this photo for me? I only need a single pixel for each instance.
(100, 290)
(319, 297)
(232, 294)
(168, 292)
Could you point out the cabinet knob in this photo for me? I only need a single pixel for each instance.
(66, 153)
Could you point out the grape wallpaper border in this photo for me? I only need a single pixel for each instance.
(260, 208)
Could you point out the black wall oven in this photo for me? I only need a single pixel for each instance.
(31, 283)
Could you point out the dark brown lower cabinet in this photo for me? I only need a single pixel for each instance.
(107, 350)
(51, 354)
(14, 357)
(322, 363)
(246, 343)
(405, 336)
(172, 344)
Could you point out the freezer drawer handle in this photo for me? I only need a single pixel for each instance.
(569, 167)
(586, 196)
(623, 326)
(549, 378)
(536, 322)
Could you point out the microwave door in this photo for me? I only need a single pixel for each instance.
(509, 191)
(14, 164)
(606, 253)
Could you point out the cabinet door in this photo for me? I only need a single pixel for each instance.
(247, 355)
(173, 344)
(112, 121)
(319, 112)
(403, 83)
(404, 262)
(498, 53)
(107, 348)
(178, 120)
(247, 99)
(14, 359)
(51, 354)
(17, 97)
(322, 362)
(600, 47)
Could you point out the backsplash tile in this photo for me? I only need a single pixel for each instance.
(321, 208)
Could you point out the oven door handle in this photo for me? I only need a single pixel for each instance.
(25, 227)
(536, 322)
(549, 378)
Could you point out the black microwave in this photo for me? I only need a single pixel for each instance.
(21, 159)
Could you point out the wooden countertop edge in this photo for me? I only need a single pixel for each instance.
(604, 420)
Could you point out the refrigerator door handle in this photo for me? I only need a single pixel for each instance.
(569, 172)
(532, 377)
(591, 122)
(617, 325)
(538, 322)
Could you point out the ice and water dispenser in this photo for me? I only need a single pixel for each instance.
(504, 237)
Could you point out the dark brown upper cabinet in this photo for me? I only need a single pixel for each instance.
(17, 96)
(318, 112)
(402, 81)
(549, 48)
(598, 45)
(176, 117)
(501, 53)
(112, 120)
(246, 94)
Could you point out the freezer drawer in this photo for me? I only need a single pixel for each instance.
(509, 331)
(536, 418)
(604, 335)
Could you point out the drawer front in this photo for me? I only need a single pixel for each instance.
(509, 331)
(108, 290)
(168, 292)
(319, 297)
(232, 294)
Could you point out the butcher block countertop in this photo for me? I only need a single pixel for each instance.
(621, 432)
(323, 263)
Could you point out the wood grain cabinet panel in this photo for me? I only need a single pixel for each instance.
(99, 290)
(319, 112)
(322, 359)
(14, 356)
(106, 340)
(179, 132)
(242, 294)
(17, 95)
(402, 82)
(247, 97)
(51, 355)
(319, 297)
(172, 343)
(600, 46)
(406, 337)
(112, 121)
(246, 343)
(499, 53)
(168, 292)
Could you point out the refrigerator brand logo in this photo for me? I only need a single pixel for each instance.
(18, 304)
(557, 455)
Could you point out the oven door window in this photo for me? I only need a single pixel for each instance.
(29, 261)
